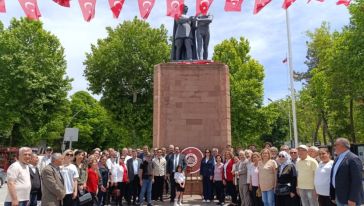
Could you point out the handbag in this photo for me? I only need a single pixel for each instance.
(85, 198)
(258, 193)
(283, 189)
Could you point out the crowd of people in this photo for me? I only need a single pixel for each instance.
(306, 176)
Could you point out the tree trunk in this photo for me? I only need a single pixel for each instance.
(352, 128)
(326, 128)
(324, 133)
(315, 134)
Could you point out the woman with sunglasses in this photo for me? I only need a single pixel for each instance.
(70, 174)
(322, 178)
(217, 180)
(119, 179)
(286, 180)
(104, 173)
(254, 180)
(207, 173)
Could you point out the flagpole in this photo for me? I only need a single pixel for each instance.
(293, 98)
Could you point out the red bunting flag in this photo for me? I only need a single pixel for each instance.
(287, 3)
(30, 8)
(202, 6)
(260, 4)
(116, 6)
(343, 2)
(175, 8)
(233, 5)
(65, 3)
(2, 6)
(88, 9)
(145, 7)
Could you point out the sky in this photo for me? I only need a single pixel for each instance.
(266, 32)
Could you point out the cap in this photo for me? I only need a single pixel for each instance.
(303, 147)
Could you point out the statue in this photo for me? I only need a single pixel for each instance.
(184, 43)
(203, 35)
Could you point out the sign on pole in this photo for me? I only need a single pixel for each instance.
(71, 135)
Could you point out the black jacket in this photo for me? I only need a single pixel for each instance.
(181, 161)
(35, 180)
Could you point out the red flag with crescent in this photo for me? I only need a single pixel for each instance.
(116, 6)
(175, 8)
(260, 4)
(88, 9)
(202, 6)
(287, 3)
(30, 8)
(145, 7)
(233, 5)
(343, 2)
(65, 3)
(2, 6)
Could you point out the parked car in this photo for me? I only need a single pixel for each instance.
(2, 177)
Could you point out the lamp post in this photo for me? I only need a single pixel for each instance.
(70, 145)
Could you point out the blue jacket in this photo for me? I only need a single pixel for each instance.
(207, 168)
(348, 180)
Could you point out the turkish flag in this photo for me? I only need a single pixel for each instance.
(260, 4)
(88, 9)
(116, 6)
(233, 5)
(202, 6)
(2, 6)
(175, 8)
(30, 8)
(343, 2)
(287, 3)
(145, 7)
(65, 3)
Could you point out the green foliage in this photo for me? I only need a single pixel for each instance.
(32, 83)
(246, 90)
(120, 68)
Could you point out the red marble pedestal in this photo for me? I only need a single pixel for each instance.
(191, 105)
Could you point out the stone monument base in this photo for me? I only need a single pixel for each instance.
(191, 105)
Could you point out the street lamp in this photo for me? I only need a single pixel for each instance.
(68, 125)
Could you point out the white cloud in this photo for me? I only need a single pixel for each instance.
(266, 31)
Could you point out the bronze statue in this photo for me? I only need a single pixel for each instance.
(184, 43)
(203, 35)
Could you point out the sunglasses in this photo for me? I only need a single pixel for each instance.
(281, 156)
(293, 152)
(69, 155)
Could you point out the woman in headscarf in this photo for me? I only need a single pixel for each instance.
(286, 180)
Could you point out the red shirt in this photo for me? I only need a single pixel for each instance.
(92, 181)
(229, 168)
(125, 174)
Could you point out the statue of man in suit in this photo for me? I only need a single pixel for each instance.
(203, 35)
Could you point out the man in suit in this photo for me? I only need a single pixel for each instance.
(346, 176)
(35, 192)
(133, 165)
(159, 170)
(174, 160)
(53, 190)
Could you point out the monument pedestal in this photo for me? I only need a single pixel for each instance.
(191, 105)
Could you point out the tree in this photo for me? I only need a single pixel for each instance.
(92, 120)
(33, 84)
(246, 90)
(120, 68)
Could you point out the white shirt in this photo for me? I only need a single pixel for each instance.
(32, 168)
(69, 174)
(179, 177)
(110, 163)
(225, 166)
(117, 173)
(19, 173)
(249, 166)
(135, 166)
(322, 178)
(175, 162)
(127, 157)
(43, 162)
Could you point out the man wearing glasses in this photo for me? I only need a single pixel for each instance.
(294, 155)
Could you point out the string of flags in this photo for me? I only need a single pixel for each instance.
(174, 7)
